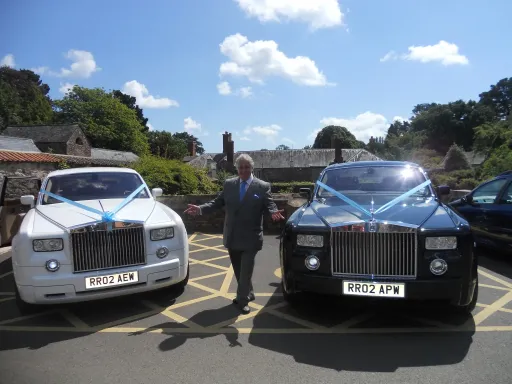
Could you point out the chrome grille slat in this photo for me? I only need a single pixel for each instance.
(100, 249)
(381, 254)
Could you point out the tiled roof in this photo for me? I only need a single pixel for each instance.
(27, 157)
(109, 154)
(17, 144)
(43, 133)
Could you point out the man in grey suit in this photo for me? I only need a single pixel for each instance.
(245, 199)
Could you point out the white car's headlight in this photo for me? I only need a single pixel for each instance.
(310, 241)
(447, 242)
(162, 233)
(48, 245)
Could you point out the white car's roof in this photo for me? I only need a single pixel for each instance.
(71, 171)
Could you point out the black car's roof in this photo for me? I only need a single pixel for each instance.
(372, 164)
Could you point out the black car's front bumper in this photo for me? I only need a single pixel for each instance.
(456, 291)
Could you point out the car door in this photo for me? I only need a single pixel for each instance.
(498, 219)
(483, 199)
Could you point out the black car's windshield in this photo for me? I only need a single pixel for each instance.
(375, 179)
(93, 185)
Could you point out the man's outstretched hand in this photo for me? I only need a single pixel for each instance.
(276, 216)
(193, 210)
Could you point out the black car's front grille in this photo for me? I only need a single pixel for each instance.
(96, 249)
(386, 254)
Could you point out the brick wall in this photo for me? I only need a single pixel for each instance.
(214, 222)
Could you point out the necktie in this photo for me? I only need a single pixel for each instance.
(242, 190)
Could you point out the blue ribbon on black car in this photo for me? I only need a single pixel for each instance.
(383, 208)
(106, 217)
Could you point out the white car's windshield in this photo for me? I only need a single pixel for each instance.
(93, 185)
(375, 180)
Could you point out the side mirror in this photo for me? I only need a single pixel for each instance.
(305, 192)
(468, 199)
(27, 200)
(443, 190)
(156, 192)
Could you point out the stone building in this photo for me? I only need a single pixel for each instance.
(58, 139)
(281, 165)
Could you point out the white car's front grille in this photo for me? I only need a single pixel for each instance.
(98, 248)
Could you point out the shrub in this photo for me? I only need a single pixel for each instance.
(456, 159)
(291, 187)
(173, 176)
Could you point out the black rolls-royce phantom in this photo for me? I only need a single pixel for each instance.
(379, 229)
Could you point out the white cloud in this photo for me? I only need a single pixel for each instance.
(318, 13)
(193, 127)
(268, 130)
(245, 92)
(442, 52)
(363, 126)
(83, 64)
(150, 126)
(144, 99)
(224, 88)
(40, 70)
(258, 60)
(244, 138)
(287, 140)
(8, 60)
(65, 88)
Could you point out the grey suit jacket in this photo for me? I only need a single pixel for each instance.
(243, 220)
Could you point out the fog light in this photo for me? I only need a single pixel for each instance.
(52, 265)
(162, 252)
(312, 263)
(438, 267)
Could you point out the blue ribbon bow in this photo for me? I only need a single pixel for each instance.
(385, 207)
(106, 217)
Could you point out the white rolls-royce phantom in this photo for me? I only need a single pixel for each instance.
(95, 233)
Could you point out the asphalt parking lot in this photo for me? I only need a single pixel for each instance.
(197, 336)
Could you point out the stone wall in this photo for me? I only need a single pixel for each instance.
(274, 175)
(78, 145)
(39, 170)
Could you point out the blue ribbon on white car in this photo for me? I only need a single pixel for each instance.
(106, 217)
(383, 208)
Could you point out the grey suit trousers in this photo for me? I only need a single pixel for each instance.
(243, 267)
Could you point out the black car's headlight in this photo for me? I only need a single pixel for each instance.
(162, 233)
(47, 245)
(441, 243)
(316, 241)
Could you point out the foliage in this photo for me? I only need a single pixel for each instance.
(105, 120)
(222, 176)
(173, 176)
(63, 165)
(23, 98)
(131, 102)
(499, 98)
(348, 140)
(165, 144)
(186, 137)
(500, 161)
(456, 159)
(290, 187)
(461, 179)
(282, 147)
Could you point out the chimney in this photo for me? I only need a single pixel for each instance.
(231, 152)
(225, 141)
(192, 148)
(337, 151)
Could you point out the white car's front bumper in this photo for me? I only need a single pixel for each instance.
(38, 286)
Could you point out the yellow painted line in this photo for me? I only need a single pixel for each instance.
(171, 315)
(193, 301)
(207, 276)
(353, 321)
(215, 248)
(496, 279)
(73, 319)
(245, 330)
(128, 319)
(203, 287)
(264, 294)
(7, 299)
(494, 287)
(192, 237)
(7, 293)
(227, 282)
(195, 261)
(501, 309)
(491, 309)
(210, 237)
(216, 258)
(278, 273)
(31, 316)
(237, 319)
(5, 274)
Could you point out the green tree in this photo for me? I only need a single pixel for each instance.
(164, 144)
(187, 137)
(282, 147)
(456, 159)
(348, 140)
(105, 120)
(131, 102)
(23, 98)
(499, 98)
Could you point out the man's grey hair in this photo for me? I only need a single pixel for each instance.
(244, 157)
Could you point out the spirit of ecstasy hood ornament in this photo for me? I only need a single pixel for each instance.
(372, 224)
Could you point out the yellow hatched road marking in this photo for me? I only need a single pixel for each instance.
(491, 309)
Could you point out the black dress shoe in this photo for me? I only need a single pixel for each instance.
(245, 309)
(251, 298)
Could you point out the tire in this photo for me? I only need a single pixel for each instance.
(184, 283)
(290, 297)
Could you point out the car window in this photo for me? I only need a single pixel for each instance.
(486, 194)
(507, 196)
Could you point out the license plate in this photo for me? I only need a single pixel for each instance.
(358, 288)
(111, 280)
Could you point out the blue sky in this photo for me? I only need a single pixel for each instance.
(291, 67)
